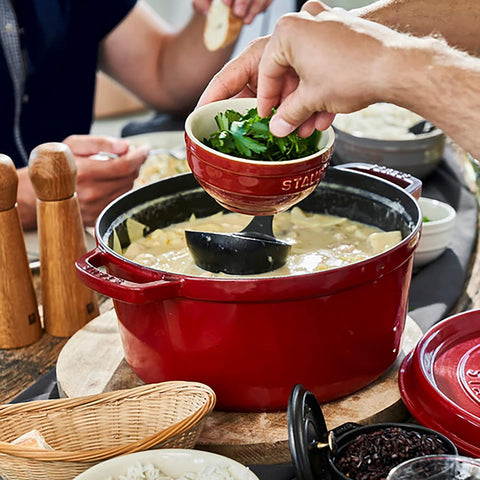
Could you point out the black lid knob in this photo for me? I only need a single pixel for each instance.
(309, 439)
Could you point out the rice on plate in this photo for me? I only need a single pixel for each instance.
(160, 165)
(169, 464)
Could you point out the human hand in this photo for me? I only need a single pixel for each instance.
(99, 182)
(244, 9)
(317, 65)
(314, 7)
(247, 9)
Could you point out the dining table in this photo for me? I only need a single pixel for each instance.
(447, 286)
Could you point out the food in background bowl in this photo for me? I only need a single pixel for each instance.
(382, 121)
(380, 134)
(158, 166)
(160, 163)
(319, 242)
(252, 187)
(389, 445)
(169, 464)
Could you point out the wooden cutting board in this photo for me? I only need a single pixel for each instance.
(92, 361)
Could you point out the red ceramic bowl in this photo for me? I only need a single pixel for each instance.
(249, 186)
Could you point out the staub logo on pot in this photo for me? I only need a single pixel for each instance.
(472, 384)
(303, 181)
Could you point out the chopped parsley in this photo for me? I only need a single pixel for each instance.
(248, 136)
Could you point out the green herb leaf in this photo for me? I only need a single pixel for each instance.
(248, 136)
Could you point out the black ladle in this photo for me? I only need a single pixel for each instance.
(424, 126)
(253, 250)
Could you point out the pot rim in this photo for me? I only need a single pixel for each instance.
(410, 242)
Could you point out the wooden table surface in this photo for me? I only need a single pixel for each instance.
(22, 367)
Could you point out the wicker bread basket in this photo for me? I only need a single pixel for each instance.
(84, 431)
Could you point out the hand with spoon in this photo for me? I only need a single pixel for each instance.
(98, 183)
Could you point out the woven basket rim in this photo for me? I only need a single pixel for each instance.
(181, 387)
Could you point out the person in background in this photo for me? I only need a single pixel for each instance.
(49, 56)
(422, 56)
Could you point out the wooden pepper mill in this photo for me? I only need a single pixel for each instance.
(19, 319)
(68, 304)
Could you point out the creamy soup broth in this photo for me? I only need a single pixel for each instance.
(319, 242)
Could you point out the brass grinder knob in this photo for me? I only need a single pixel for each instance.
(67, 303)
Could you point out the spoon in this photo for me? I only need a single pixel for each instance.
(177, 152)
(253, 250)
(424, 126)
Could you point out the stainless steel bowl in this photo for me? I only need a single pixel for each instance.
(417, 156)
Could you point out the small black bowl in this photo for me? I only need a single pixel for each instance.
(316, 451)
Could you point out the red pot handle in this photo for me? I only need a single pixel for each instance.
(408, 182)
(119, 288)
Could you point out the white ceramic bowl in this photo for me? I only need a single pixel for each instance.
(436, 232)
(172, 462)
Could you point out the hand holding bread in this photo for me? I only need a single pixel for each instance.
(225, 19)
(222, 27)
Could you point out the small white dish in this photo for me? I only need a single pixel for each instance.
(172, 462)
(437, 230)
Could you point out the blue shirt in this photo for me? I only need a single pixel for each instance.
(60, 41)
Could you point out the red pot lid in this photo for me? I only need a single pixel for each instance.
(440, 380)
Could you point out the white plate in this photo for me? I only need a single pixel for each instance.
(172, 462)
(158, 139)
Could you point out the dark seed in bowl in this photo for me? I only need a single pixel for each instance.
(370, 456)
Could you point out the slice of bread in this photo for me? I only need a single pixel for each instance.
(222, 27)
(32, 439)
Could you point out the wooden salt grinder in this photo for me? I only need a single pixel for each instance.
(19, 319)
(68, 304)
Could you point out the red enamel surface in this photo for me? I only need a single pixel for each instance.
(440, 380)
(252, 339)
(256, 188)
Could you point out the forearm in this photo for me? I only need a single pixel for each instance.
(457, 21)
(187, 66)
(166, 69)
(440, 84)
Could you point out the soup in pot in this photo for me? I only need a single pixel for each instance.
(319, 242)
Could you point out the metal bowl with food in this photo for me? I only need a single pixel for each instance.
(251, 339)
(380, 134)
(251, 186)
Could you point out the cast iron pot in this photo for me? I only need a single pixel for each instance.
(252, 339)
(315, 450)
